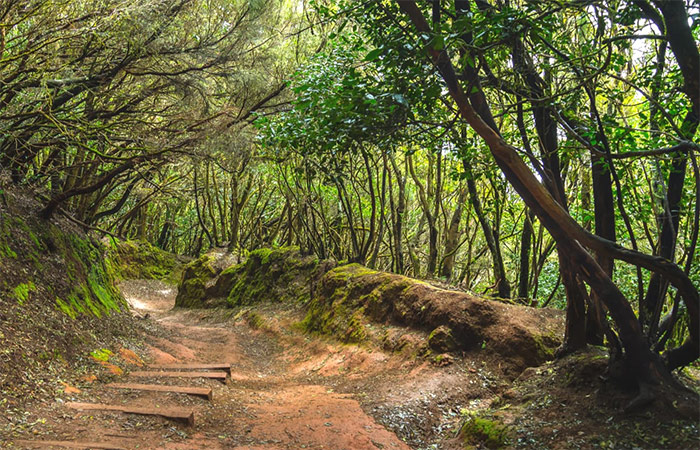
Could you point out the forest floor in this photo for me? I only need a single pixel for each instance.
(291, 391)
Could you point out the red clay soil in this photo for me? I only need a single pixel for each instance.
(286, 391)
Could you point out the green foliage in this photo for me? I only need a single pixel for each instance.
(339, 105)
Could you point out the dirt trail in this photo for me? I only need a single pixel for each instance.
(286, 391)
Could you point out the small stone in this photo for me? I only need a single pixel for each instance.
(441, 340)
(444, 359)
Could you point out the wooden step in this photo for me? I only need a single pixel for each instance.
(221, 376)
(194, 366)
(68, 444)
(200, 392)
(176, 414)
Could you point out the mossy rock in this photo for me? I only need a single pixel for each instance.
(275, 275)
(195, 276)
(479, 432)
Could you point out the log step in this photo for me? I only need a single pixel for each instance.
(221, 376)
(68, 444)
(176, 414)
(200, 392)
(194, 366)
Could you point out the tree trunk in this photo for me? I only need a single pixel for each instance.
(499, 272)
(525, 248)
(452, 236)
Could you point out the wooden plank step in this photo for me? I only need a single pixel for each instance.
(69, 444)
(221, 376)
(177, 414)
(194, 366)
(200, 392)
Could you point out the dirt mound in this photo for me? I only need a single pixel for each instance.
(55, 294)
(349, 296)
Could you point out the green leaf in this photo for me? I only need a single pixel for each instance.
(374, 54)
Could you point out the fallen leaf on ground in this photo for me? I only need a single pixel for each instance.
(68, 389)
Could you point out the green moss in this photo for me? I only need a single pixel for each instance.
(7, 251)
(279, 275)
(22, 291)
(478, 432)
(263, 254)
(66, 308)
(255, 320)
(356, 331)
(191, 292)
(339, 321)
(141, 260)
(101, 354)
(543, 350)
(75, 303)
(343, 274)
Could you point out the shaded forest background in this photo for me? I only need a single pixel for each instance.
(194, 124)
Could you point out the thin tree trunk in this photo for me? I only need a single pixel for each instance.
(499, 272)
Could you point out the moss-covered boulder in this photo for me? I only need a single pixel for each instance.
(195, 277)
(279, 275)
(141, 260)
(351, 296)
(479, 432)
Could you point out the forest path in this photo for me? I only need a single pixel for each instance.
(285, 391)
